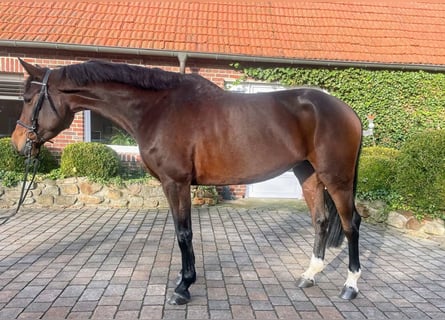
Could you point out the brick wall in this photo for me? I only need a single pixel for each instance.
(217, 72)
(75, 133)
(232, 192)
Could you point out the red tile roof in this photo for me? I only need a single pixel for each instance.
(380, 31)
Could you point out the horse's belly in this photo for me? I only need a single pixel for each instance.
(243, 167)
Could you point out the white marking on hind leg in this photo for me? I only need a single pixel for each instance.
(352, 279)
(316, 265)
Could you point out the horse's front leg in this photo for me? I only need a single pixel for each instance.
(178, 196)
(313, 194)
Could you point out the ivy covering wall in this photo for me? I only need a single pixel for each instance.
(403, 102)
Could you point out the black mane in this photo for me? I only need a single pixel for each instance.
(96, 71)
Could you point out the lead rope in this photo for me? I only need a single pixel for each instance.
(30, 162)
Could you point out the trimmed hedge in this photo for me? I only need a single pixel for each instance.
(90, 159)
(410, 179)
(376, 172)
(11, 160)
(420, 179)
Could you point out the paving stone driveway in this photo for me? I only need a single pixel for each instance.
(105, 263)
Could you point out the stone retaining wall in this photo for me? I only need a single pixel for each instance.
(403, 220)
(79, 192)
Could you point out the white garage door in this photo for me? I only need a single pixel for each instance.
(283, 186)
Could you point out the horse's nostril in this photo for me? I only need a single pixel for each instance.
(32, 135)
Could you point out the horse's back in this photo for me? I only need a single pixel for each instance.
(250, 138)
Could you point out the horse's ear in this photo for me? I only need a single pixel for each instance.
(33, 70)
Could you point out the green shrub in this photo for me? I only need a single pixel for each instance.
(47, 161)
(421, 173)
(11, 178)
(377, 151)
(122, 138)
(376, 172)
(90, 159)
(11, 160)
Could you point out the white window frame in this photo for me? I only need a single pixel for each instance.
(118, 148)
(252, 87)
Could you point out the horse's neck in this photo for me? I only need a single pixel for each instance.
(111, 104)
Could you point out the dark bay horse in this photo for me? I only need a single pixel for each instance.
(190, 131)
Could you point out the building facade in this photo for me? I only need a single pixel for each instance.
(205, 38)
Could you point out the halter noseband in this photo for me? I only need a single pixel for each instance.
(32, 135)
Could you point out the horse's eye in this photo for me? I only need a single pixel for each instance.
(26, 99)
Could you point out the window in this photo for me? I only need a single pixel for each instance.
(100, 129)
(9, 114)
(11, 91)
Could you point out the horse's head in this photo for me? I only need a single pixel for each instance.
(44, 114)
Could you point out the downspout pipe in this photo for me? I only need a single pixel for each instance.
(183, 56)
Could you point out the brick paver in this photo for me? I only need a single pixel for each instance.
(105, 263)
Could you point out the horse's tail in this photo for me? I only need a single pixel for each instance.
(335, 230)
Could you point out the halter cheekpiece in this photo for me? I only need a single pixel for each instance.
(32, 135)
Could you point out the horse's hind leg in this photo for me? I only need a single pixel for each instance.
(313, 191)
(178, 196)
(350, 221)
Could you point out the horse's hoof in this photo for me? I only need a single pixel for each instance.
(178, 299)
(305, 283)
(348, 293)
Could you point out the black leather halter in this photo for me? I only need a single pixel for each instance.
(32, 135)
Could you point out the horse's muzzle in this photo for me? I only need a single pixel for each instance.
(23, 144)
(18, 140)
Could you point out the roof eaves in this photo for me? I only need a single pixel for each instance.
(219, 56)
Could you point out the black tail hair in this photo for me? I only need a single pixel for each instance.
(335, 230)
